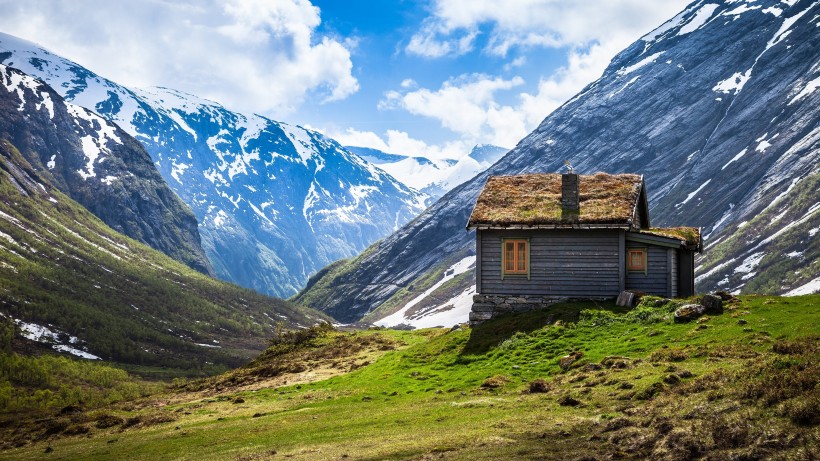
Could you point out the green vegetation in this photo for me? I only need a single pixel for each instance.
(127, 303)
(577, 381)
(536, 199)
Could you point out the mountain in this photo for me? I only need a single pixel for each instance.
(98, 165)
(432, 177)
(76, 285)
(716, 108)
(275, 202)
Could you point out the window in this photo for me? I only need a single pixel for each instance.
(516, 256)
(636, 260)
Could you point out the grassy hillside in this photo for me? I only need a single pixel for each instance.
(578, 381)
(100, 292)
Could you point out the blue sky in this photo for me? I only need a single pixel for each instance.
(431, 77)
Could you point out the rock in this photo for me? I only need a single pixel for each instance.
(626, 298)
(661, 302)
(713, 304)
(741, 322)
(689, 312)
(566, 361)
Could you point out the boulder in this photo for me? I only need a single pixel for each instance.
(566, 361)
(628, 299)
(689, 312)
(712, 303)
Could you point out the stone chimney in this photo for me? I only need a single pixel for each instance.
(570, 197)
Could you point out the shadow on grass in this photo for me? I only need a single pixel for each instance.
(491, 333)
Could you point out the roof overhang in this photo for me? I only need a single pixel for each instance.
(659, 241)
(551, 226)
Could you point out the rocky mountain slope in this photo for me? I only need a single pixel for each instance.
(77, 286)
(717, 109)
(98, 165)
(275, 202)
(433, 177)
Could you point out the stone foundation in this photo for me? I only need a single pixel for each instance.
(486, 307)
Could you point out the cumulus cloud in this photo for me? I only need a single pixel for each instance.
(252, 55)
(453, 26)
(590, 32)
(401, 143)
(465, 105)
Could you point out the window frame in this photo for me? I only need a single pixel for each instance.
(629, 267)
(528, 262)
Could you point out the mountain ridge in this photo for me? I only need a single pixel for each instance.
(275, 202)
(99, 165)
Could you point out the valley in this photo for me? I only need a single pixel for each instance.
(579, 381)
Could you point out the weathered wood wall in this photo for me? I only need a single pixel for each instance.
(657, 277)
(571, 263)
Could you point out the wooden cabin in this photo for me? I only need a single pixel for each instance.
(543, 237)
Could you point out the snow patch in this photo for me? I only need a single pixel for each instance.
(750, 263)
(629, 69)
(51, 163)
(693, 193)
(785, 29)
(734, 83)
(741, 9)
(734, 159)
(807, 289)
(702, 15)
(807, 90)
(399, 317)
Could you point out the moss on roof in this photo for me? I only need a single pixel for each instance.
(535, 199)
(689, 235)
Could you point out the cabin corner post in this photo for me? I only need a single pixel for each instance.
(669, 255)
(478, 261)
(621, 260)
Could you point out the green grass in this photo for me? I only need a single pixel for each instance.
(742, 384)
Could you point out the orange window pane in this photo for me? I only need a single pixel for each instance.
(522, 256)
(509, 257)
(637, 260)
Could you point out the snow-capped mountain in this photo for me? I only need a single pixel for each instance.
(433, 177)
(717, 109)
(97, 164)
(275, 202)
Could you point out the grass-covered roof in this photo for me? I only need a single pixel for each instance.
(535, 199)
(690, 236)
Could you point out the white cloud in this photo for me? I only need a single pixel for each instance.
(451, 28)
(590, 32)
(401, 143)
(252, 55)
(465, 105)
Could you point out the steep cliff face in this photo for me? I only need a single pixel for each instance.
(717, 109)
(275, 202)
(99, 165)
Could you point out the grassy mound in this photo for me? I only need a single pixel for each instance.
(578, 381)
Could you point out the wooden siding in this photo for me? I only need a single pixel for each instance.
(656, 279)
(572, 263)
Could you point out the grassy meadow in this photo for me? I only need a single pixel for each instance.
(579, 381)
